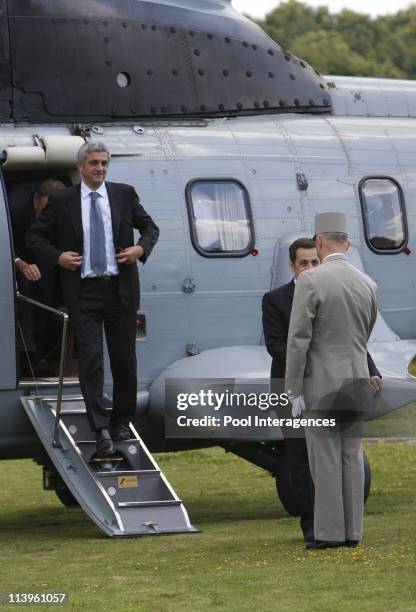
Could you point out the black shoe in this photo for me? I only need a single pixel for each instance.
(351, 543)
(308, 535)
(321, 544)
(104, 442)
(120, 431)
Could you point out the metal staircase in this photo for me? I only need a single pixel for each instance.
(125, 494)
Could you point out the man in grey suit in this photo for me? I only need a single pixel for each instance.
(334, 310)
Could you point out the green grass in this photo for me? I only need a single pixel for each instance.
(397, 424)
(248, 555)
(412, 367)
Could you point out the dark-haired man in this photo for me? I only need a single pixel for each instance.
(38, 326)
(277, 308)
(23, 259)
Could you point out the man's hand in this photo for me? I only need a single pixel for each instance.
(377, 384)
(298, 406)
(129, 255)
(70, 260)
(29, 271)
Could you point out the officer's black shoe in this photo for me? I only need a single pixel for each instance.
(351, 543)
(308, 535)
(104, 442)
(321, 544)
(120, 431)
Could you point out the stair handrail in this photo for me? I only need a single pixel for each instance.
(65, 319)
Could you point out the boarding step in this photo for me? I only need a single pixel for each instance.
(162, 502)
(132, 452)
(126, 493)
(126, 473)
(73, 404)
(154, 519)
(132, 488)
(74, 418)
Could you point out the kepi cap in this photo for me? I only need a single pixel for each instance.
(330, 222)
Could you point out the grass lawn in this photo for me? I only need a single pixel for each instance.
(397, 424)
(248, 555)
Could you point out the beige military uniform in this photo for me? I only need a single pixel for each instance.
(334, 311)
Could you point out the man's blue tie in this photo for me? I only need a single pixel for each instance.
(98, 257)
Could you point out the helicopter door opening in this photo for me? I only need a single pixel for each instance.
(8, 368)
(38, 331)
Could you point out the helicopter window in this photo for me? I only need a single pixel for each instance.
(384, 214)
(220, 218)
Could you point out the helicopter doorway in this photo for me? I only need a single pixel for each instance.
(38, 330)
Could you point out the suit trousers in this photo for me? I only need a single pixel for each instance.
(337, 468)
(297, 457)
(99, 306)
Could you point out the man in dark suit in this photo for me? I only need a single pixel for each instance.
(87, 230)
(37, 325)
(277, 307)
(22, 219)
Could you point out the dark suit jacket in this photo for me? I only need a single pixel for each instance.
(22, 215)
(277, 306)
(59, 228)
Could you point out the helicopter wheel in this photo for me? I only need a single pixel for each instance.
(286, 492)
(65, 496)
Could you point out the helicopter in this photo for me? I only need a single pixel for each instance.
(233, 144)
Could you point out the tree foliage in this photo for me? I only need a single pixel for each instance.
(346, 43)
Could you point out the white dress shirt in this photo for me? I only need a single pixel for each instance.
(104, 205)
